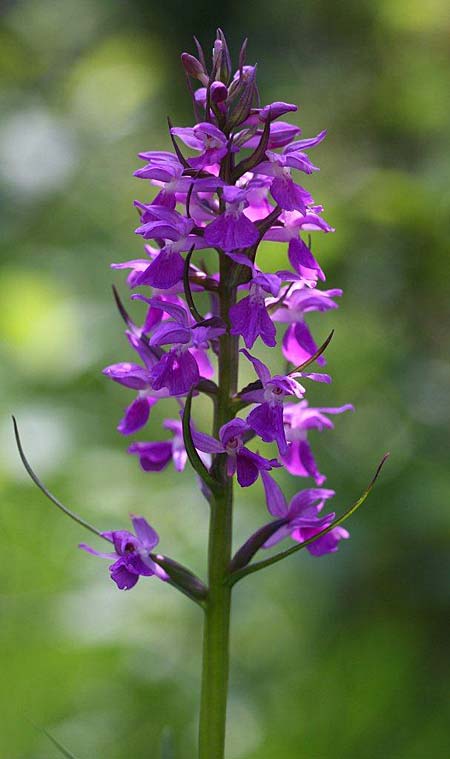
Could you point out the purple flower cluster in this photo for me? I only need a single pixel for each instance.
(231, 181)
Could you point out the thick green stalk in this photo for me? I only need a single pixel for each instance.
(218, 605)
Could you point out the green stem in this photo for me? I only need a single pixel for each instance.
(216, 639)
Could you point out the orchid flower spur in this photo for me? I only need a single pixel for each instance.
(228, 183)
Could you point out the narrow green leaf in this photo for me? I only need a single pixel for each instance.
(195, 460)
(47, 492)
(187, 288)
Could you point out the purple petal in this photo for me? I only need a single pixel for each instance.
(231, 233)
(299, 345)
(124, 579)
(261, 369)
(205, 367)
(206, 443)
(247, 470)
(102, 555)
(305, 499)
(267, 421)
(275, 500)
(170, 333)
(178, 371)
(236, 428)
(250, 319)
(307, 143)
(154, 456)
(299, 460)
(326, 544)
(128, 374)
(136, 416)
(145, 533)
(164, 272)
(302, 260)
(289, 195)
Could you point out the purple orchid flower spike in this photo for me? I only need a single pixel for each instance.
(208, 139)
(298, 419)
(232, 230)
(241, 461)
(131, 554)
(267, 418)
(297, 300)
(303, 520)
(236, 191)
(249, 317)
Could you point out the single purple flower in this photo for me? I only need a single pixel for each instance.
(138, 378)
(298, 342)
(249, 317)
(179, 369)
(232, 229)
(298, 419)
(131, 554)
(284, 190)
(208, 139)
(267, 418)
(302, 515)
(246, 464)
(173, 231)
(165, 170)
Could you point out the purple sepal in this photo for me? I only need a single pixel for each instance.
(177, 370)
(164, 272)
(136, 415)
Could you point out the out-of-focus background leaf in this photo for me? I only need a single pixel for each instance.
(340, 657)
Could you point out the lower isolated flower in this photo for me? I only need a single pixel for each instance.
(131, 554)
(302, 517)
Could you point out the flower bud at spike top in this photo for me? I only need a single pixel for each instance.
(235, 178)
(194, 68)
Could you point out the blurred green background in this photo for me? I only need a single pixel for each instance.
(346, 656)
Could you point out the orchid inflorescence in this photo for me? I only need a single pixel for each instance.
(228, 184)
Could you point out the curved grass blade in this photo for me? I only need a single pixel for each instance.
(47, 492)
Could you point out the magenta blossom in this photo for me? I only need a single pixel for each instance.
(302, 517)
(298, 419)
(232, 229)
(290, 308)
(249, 317)
(267, 418)
(131, 554)
(241, 461)
(206, 138)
